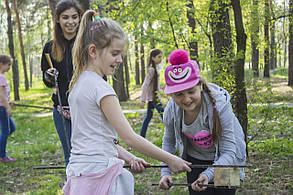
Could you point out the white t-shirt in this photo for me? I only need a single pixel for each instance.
(92, 134)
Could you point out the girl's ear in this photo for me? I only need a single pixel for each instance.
(92, 51)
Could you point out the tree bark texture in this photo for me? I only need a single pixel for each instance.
(137, 77)
(267, 41)
(193, 45)
(240, 93)
(119, 83)
(290, 68)
(222, 42)
(11, 49)
(126, 73)
(273, 52)
(26, 82)
(142, 57)
(255, 38)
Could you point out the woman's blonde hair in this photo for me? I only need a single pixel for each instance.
(100, 32)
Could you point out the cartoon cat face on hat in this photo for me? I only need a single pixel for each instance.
(182, 73)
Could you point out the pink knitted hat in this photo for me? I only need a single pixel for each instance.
(182, 74)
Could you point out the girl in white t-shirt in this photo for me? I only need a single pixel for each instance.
(97, 119)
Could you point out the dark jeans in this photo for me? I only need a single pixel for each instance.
(194, 174)
(61, 133)
(7, 128)
(149, 116)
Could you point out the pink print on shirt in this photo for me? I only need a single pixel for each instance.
(202, 139)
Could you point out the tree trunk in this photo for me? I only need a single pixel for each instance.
(290, 68)
(31, 70)
(267, 40)
(126, 71)
(52, 5)
(273, 42)
(255, 38)
(285, 51)
(193, 45)
(221, 30)
(240, 93)
(137, 80)
(11, 49)
(142, 54)
(119, 83)
(285, 38)
(21, 45)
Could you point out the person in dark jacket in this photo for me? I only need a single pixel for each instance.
(58, 62)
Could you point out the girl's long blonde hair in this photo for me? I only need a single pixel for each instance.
(100, 32)
(217, 127)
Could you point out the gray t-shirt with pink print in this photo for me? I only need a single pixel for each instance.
(199, 136)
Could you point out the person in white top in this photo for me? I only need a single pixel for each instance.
(97, 119)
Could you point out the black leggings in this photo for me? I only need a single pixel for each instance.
(194, 174)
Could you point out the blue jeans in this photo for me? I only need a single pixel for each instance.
(7, 128)
(61, 132)
(151, 105)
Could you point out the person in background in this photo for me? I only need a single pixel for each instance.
(7, 124)
(66, 23)
(199, 120)
(151, 89)
(96, 161)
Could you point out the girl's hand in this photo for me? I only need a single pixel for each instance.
(137, 165)
(177, 164)
(51, 71)
(164, 181)
(142, 104)
(9, 113)
(203, 179)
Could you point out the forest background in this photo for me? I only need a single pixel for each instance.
(244, 46)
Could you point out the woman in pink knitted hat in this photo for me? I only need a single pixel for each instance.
(199, 121)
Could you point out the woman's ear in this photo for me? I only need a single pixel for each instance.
(92, 51)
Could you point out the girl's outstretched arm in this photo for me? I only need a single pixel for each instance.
(112, 110)
(136, 164)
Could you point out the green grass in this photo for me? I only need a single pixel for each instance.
(269, 133)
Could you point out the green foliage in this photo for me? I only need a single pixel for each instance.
(36, 143)
(277, 147)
